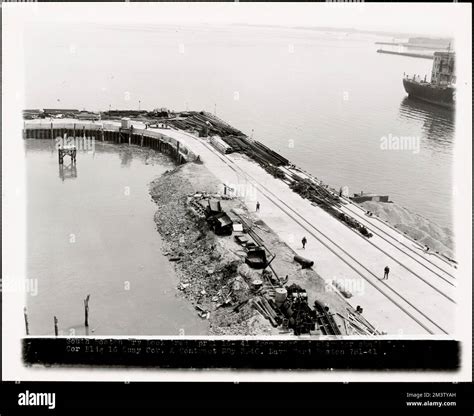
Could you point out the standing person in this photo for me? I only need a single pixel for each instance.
(258, 206)
(304, 241)
(386, 272)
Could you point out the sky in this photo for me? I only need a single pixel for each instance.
(422, 18)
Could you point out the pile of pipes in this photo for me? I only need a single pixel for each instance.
(325, 319)
(356, 324)
(314, 192)
(267, 308)
(325, 199)
(203, 121)
(351, 222)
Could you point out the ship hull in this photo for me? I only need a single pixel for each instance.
(442, 96)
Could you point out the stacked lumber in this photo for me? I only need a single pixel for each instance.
(356, 324)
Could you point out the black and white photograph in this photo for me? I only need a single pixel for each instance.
(240, 178)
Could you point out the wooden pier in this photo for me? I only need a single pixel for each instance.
(142, 137)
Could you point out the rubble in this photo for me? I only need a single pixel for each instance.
(234, 297)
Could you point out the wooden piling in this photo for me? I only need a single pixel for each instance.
(55, 326)
(27, 327)
(86, 310)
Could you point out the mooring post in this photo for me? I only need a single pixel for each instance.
(86, 310)
(74, 131)
(51, 130)
(25, 313)
(130, 136)
(141, 141)
(55, 326)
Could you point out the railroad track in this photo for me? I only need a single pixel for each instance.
(388, 292)
(405, 266)
(347, 211)
(417, 253)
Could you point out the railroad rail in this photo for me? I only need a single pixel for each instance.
(396, 298)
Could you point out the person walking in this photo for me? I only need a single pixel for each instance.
(258, 206)
(304, 241)
(386, 272)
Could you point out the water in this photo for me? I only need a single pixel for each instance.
(91, 231)
(324, 100)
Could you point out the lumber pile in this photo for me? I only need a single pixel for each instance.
(203, 121)
(356, 324)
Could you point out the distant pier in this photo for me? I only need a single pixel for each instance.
(411, 54)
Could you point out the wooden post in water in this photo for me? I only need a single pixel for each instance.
(86, 310)
(55, 326)
(141, 141)
(25, 313)
(74, 131)
(130, 135)
(51, 130)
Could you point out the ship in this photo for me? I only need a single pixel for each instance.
(441, 90)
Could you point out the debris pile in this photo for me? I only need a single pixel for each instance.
(356, 324)
(231, 281)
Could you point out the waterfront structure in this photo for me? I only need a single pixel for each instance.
(441, 90)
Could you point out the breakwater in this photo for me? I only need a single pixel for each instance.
(110, 132)
(410, 54)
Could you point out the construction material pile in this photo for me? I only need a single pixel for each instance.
(203, 122)
(356, 324)
(289, 308)
(319, 195)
